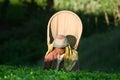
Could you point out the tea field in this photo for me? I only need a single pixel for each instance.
(23, 33)
(37, 73)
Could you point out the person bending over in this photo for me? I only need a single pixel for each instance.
(60, 55)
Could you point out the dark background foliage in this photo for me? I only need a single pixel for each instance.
(23, 32)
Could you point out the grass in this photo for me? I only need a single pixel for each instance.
(37, 73)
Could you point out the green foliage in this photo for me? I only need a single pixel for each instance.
(36, 73)
(41, 3)
(87, 6)
(17, 15)
(23, 32)
(100, 52)
(23, 45)
(17, 2)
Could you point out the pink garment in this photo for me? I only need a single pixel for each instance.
(50, 60)
(51, 56)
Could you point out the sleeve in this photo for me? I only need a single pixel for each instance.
(48, 61)
(47, 64)
(76, 66)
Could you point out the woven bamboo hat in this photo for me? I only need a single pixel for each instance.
(66, 23)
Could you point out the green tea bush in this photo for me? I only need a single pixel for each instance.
(37, 73)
